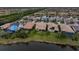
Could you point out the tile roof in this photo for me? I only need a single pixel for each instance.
(28, 25)
(50, 25)
(66, 28)
(5, 26)
(40, 26)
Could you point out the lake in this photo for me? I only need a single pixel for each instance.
(35, 46)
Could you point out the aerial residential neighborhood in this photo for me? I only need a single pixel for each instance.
(45, 23)
(53, 25)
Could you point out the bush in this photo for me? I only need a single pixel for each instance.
(61, 36)
(75, 37)
(18, 34)
(21, 34)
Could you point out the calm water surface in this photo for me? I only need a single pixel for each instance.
(35, 46)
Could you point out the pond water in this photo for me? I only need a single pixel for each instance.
(35, 46)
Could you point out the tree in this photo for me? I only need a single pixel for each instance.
(61, 35)
(75, 37)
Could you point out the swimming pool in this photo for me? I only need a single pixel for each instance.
(12, 28)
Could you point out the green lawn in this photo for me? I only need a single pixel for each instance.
(33, 35)
(44, 35)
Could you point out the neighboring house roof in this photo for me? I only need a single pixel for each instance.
(38, 17)
(31, 17)
(44, 18)
(41, 25)
(28, 25)
(66, 28)
(51, 18)
(50, 25)
(75, 28)
(5, 26)
(75, 24)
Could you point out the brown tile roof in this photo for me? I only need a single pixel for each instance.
(66, 28)
(50, 25)
(40, 26)
(29, 25)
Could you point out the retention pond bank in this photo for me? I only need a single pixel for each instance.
(36, 46)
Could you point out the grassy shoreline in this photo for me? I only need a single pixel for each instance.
(17, 40)
(23, 36)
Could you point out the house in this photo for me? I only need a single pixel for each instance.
(51, 19)
(41, 26)
(51, 13)
(52, 27)
(5, 26)
(38, 18)
(40, 13)
(29, 25)
(29, 18)
(75, 20)
(25, 17)
(12, 27)
(75, 27)
(66, 29)
(57, 18)
(63, 13)
(35, 18)
(44, 18)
